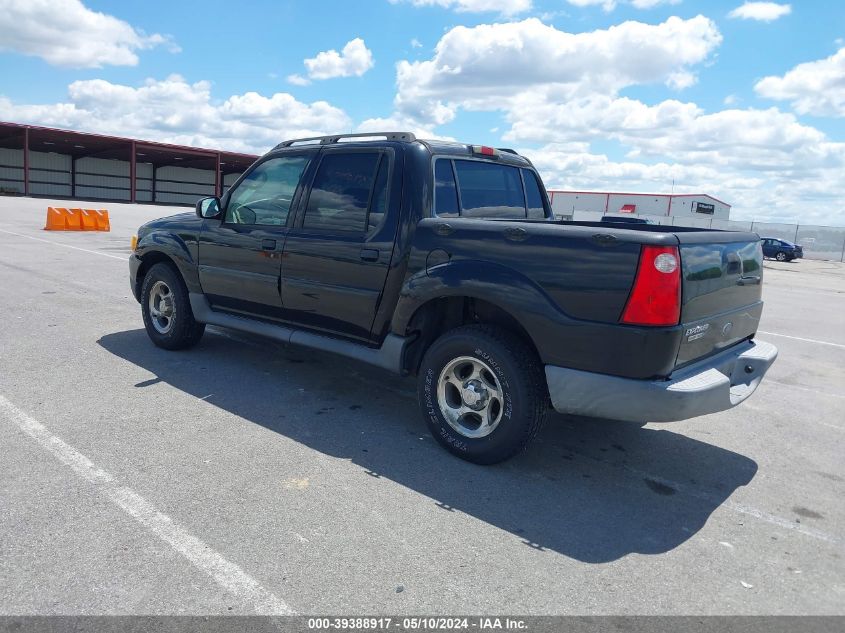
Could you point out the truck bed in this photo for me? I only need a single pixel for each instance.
(585, 271)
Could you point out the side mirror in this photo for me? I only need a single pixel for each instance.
(208, 208)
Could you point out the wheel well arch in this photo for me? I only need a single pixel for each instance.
(439, 315)
(148, 260)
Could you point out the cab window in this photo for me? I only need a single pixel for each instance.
(265, 195)
(481, 189)
(340, 196)
(488, 190)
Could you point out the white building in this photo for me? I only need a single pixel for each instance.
(591, 205)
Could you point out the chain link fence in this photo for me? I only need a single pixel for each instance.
(819, 242)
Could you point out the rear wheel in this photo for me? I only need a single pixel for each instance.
(482, 393)
(166, 309)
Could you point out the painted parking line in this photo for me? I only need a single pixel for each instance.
(806, 340)
(76, 248)
(224, 572)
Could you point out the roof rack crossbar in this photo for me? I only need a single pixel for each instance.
(406, 137)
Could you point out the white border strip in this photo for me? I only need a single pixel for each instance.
(76, 248)
(806, 340)
(224, 572)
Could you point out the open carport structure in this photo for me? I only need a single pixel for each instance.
(53, 163)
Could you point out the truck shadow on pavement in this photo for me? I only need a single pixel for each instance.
(592, 490)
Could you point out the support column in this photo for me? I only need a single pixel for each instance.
(132, 174)
(218, 181)
(26, 161)
(72, 176)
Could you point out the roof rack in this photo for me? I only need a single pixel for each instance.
(406, 137)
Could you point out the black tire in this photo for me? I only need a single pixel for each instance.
(524, 396)
(781, 256)
(183, 331)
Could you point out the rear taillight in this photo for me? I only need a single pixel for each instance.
(656, 296)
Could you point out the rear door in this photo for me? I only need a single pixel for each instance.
(240, 255)
(337, 256)
(767, 247)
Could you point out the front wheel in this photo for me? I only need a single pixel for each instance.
(482, 392)
(781, 256)
(166, 309)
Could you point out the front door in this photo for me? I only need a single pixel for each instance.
(240, 256)
(336, 259)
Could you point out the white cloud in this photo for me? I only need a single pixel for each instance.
(610, 5)
(486, 66)
(563, 91)
(353, 61)
(607, 5)
(813, 197)
(298, 80)
(504, 7)
(756, 140)
(399, 124)
(415, 43)
(813, 88)
(66, 33)
(650, 4)
(175, 111)
(681, 80)
(761, 11)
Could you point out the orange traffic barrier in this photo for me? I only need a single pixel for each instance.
(61, 219)
(74, 220)
(89, 219)
(103, 223)
(55, 220)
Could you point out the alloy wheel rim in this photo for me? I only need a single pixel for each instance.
(470, 397)
(162, 310)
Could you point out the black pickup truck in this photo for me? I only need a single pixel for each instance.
(444, 261)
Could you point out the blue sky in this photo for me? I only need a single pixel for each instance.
(747, 104)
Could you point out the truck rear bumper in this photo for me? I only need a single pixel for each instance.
(713, 384)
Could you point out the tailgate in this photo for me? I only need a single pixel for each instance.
(722, 287)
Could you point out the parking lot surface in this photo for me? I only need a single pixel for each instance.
(245, 477)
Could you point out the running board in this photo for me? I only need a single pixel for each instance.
(389, 356)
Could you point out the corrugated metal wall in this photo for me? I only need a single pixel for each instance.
(229, 180)
(11, 170)
(50, 174)
(102, 178)
(144, 182)
(183, 185)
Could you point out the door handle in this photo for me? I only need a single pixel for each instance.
(268, 245)
(604, 239)
(443, 229)
(515, 234)
(369, 255)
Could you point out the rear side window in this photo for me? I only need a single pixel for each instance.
(533, 195)
(477, 189)
(488, 190)
(340, 195)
